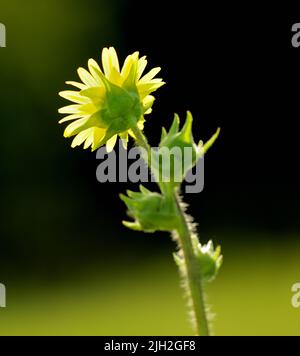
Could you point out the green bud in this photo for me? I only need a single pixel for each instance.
(184, 141)
(151, 211)
(209, 259)
(178, 153)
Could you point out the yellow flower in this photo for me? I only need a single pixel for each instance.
(111, 102)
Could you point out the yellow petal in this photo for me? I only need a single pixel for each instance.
(88, 109)
(147, 89)
(98, 136)
(74, 96)
(124, 138)
(131, 78)
(75, 127)
(115, 77)
(77, 85)
(69, 118)
(126, 67)
(105, 61)
(148, 77)
(129, 62)
(71, 109)
(153, 81)
(141, 124)
(80, 138)
(96, 94)
(135, 56)
(93, 64)
(89, 141)
(148, 102)
(142, 66)
(86, 77)
(113, 59)
(94, 68)
(130, 133)
(110, 144)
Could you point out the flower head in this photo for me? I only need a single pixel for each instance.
(111, 102)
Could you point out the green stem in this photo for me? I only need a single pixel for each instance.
(193, 275)
(194, 279)
(141, 140)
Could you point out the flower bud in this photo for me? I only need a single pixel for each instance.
(178, 153)
(151, 211)
(210, 260)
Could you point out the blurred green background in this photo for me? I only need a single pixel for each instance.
(69, 266)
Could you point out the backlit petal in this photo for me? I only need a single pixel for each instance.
(86, 77)
(110, 144)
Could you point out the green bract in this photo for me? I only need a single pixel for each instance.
(121, 110)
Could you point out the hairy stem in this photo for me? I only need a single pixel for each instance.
(193, 274)
(184, 233)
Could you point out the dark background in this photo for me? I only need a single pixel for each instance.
(232, 65)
